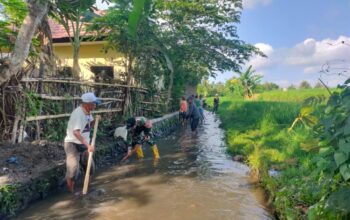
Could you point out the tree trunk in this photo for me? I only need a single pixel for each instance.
(171, 81)
(37, 10)
(76, 49)
(46, 53)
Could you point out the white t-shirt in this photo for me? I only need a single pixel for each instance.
(79, 121)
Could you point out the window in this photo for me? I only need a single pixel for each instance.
(102, 73)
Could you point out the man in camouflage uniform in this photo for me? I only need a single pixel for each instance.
(139, 132)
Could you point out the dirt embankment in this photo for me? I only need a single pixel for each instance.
(25, 161)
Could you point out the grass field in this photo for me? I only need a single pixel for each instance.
(258, 130)
(296, 95)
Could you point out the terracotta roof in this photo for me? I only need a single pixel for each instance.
(58, 31)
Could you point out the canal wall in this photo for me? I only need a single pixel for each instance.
(17, 196)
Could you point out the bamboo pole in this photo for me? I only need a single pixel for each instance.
(43, 117)
(62, 98)
(87, 173)
(153, 103)
(81, 83)
(14, 129)
(21, 133)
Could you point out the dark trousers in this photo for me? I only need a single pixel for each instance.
(194, 123)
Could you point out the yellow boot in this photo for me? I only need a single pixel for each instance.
(139, 152)
(155, 152)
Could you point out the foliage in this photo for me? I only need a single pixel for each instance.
(203, 88)
(33, 104)
(304, 85)
(135, 15)
(249, 81)
(13, 13)
(267, 86)
(218, 88)
(305, 117)
(291, 87)
(318, 85)
(335, 131)
(307, 113)
(235, 87)
(8, 199)
(189, 35)
(54, 130)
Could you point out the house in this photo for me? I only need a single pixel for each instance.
(96, 63)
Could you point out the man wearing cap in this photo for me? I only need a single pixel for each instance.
(77, 140)
(135, 139)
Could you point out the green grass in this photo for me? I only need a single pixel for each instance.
(258, 130)
(297, 95)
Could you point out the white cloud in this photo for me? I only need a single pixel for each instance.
(254, 3)
(259, 62)
(304, 61)
(312, 69)
(312, 53)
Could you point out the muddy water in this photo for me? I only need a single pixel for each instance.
(195, 179)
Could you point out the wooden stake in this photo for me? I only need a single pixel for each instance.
(87, 173)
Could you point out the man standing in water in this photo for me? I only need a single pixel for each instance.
(216, 103)
(194, 114)
(135, 139)
(77, 140)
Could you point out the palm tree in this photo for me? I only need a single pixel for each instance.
(249, 81)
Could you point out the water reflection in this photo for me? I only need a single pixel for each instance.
(195, 179)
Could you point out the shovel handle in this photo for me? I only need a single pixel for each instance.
(88, 168)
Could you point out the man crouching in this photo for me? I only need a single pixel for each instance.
(135, 139)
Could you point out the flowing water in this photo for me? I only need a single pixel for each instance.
(194, 180)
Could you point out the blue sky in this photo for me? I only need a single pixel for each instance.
(283, 23)
(299, 37)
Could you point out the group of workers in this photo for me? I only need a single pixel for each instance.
(138, 131)
(192, 110)
(77, 141)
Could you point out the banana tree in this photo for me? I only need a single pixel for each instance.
(73, 16)
(305, 117)
(249, 80)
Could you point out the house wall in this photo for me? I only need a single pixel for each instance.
(91, 54)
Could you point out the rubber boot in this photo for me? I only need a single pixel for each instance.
(139, 152)
(155, 152)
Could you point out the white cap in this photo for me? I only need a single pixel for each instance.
(88, 97)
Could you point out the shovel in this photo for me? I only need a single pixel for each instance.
(88, 168)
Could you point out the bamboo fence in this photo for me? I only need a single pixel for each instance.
(44, 99)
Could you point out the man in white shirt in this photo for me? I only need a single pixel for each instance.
(77, 140)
